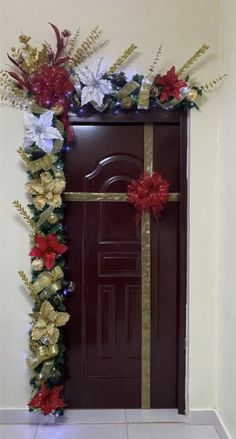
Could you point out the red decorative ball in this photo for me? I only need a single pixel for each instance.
(149, 193)
(51, 84)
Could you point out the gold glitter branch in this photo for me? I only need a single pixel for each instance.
(26, 216)
(73, 42)
(156, 59)
(119, 61)
(23, 155)
(193, 59)
(29, 286)
(211, 84)
(83, 52)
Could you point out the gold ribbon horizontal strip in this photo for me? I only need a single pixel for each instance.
(108, 196)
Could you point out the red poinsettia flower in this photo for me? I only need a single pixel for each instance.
(47, 247)
(149, 193)
(171, 85)
(47, 400)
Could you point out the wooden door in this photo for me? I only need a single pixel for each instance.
(103, 368)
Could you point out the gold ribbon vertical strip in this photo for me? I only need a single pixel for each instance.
(146, 279)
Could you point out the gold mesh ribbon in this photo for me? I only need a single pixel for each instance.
(45, 163)
(127, 89)
(145, 246)
(41, 354)
(48, 278)
(143, 99)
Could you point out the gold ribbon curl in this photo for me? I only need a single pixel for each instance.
(143, 99)
(46, 162)
(48, 278)
(127, 89)
(42, 353)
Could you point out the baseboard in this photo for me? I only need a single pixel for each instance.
(21, 416)
(195, 417)
(209, 417)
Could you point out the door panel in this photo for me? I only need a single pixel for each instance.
(103, 368)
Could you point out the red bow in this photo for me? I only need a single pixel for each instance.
(149, 193)
(47, 247)
(47, 400)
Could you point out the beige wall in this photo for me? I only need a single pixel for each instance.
(182, 26)
(226, 356)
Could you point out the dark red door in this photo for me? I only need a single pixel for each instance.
(104, 333)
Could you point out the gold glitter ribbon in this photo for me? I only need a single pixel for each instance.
(143, 99)
(47, 279)
(41, 354)
(102, 196)
(46, 370)
(45, 163)
(145, 245)
(127, 89)
(45, 215)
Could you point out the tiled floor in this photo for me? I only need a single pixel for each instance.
(110, 424)
(109, 431)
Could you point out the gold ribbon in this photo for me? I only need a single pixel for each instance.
(146, 277)
(127, 89)
(46, 370)
(145, 244)
(45, 163)
(143, 99)
(102, 196)
(42, 353)
(47, 279)
(45, 215)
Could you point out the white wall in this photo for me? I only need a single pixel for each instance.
(182, 26)
(226, 356)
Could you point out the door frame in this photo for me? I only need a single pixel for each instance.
(163, 117)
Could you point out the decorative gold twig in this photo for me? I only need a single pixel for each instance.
(83, 52)
(193, 59)
(26, 216)
(73, 43)
(156, 59)
(121, 59)
(23, 155)
(29, 286)
(14, 102)
(211, 84)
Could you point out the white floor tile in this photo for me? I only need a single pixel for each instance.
(81, 431)
(171, 431)
(17, 431)
(154, 415)
(92, 417)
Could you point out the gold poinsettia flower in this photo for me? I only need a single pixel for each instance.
(47, 321)
(46, 190)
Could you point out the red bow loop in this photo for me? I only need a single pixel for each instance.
(47, 400)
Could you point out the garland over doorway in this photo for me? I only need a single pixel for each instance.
(49, 84)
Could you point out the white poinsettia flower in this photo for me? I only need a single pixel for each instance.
(95, 88)
(39, 130)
